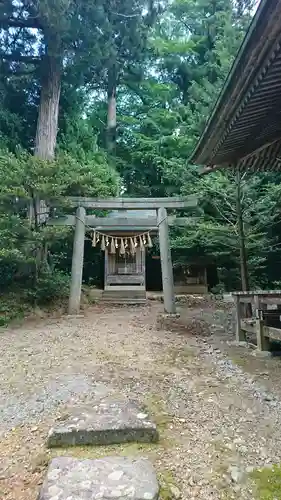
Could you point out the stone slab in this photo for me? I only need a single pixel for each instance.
(107, 478)
(108, 421)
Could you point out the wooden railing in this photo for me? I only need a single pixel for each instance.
(266, 309)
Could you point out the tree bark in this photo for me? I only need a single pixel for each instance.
(241, 235)
(111, 110)
(47, 123)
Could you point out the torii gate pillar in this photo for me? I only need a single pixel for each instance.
(77, 262)
(166, 262)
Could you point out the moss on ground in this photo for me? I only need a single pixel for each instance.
(158, 411)
(167, 483)
(94, 452)
(240, 361)
(268, 482)
(179, 355)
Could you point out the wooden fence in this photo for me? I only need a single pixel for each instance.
(265, 321)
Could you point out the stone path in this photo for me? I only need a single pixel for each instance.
(104, 422)
(115, 478)
(216, 419)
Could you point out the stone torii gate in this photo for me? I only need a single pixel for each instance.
(161, 223)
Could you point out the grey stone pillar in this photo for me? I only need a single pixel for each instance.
(105, 267)
(77, 262)
(166, 262)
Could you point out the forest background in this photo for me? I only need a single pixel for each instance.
(108, 97)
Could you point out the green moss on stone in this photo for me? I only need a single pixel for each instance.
(268, 482)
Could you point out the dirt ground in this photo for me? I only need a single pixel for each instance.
(217, 406)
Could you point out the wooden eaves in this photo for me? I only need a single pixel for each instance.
(244, 128)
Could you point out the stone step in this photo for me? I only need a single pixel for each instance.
(111, 477)
(126, 297)
(108, 421)
(115, 300)
(125, 293)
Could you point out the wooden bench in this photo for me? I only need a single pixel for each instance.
(266, 313)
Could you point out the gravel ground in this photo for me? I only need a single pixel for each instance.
(217, 421)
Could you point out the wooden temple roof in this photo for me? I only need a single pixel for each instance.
(244, 128)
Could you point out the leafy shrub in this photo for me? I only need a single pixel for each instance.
(50, 287)
(219, 289)
(11, 308)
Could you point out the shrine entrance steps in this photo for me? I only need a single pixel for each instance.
(124, 295)
(109, 420)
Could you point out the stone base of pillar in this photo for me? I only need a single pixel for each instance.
(170, 316)
(70, 316)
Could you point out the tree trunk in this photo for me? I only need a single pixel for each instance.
(241, 235)
(47, 127)
(47, 123)
(111, 110)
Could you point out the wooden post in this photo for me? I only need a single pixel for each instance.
(257, 306)
(77, 262)
(262, 341)
(166, 262)
(240, 334)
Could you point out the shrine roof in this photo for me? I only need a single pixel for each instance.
(245, 126)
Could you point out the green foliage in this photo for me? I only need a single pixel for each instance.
(12, 307)
(26, 176)
(26, 250)
(268, 482)
(50, 287)
(216, 236)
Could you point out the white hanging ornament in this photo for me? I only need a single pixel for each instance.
(112, 246)
(122, 247)
(94, 240)
(132, 246)
(102, 243)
